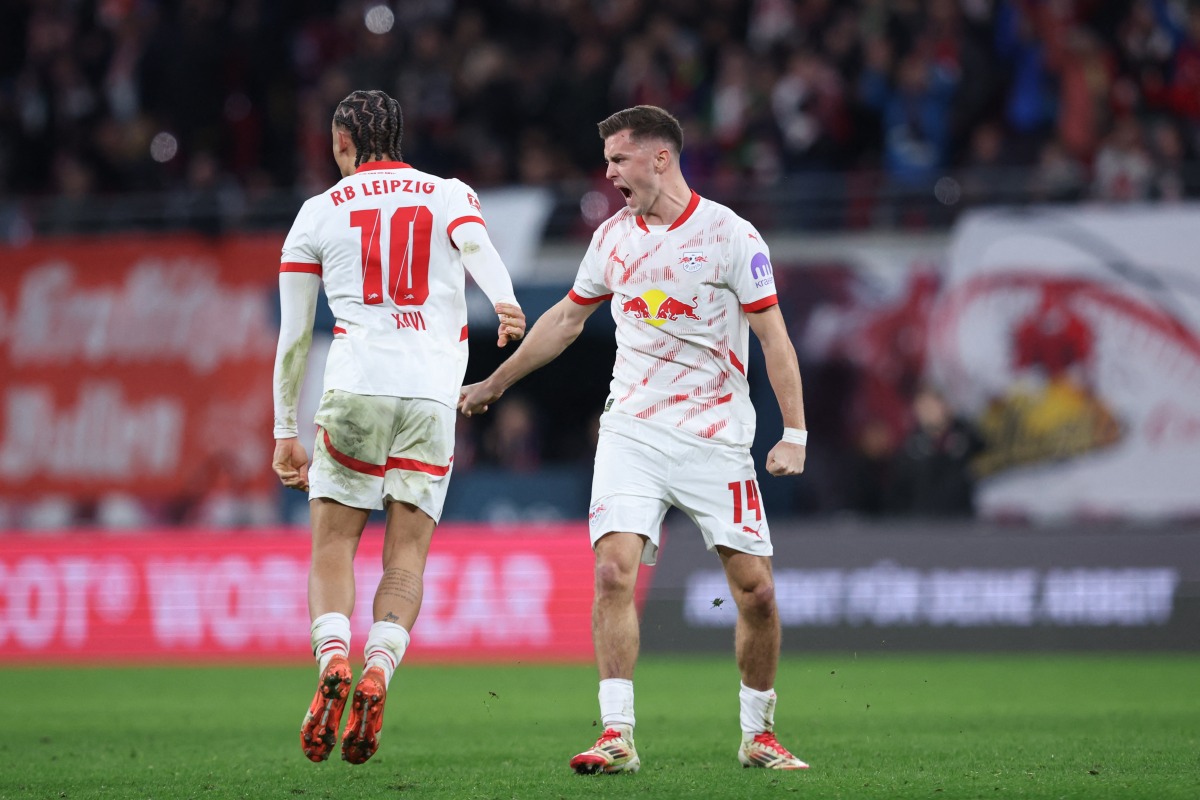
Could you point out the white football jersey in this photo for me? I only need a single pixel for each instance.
(680, 295)
(380, 240)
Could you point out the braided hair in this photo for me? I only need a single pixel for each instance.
(374, 122)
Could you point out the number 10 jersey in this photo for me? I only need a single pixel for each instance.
(380, 240)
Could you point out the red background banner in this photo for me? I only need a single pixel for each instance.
(138, 365)
(491, 594)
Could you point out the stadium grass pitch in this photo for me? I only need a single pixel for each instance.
(928, 726)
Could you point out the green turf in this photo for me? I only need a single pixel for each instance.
(879, 727)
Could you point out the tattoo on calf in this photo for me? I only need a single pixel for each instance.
(401, 584)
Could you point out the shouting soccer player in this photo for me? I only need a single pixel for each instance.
(390, 244)
(686, 279)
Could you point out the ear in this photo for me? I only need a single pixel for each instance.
(662, 159)
(342, 141)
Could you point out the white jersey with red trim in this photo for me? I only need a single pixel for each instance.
(380, 240)
(680, 295)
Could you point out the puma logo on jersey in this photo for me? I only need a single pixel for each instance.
(753, 531)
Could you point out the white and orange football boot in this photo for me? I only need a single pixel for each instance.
(764, 750)
(613, 752)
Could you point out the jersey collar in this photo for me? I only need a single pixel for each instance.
(687, 213)
(369, 165)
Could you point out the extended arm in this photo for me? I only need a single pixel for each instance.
(548, 337)
(483, 263)
(297, 308)
(785, 458)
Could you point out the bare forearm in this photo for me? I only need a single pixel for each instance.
(784, 373)
(787, 457)
(548, 337)
(545, 341)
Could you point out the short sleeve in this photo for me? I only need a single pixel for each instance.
(589, 286)
(462, 205)
(751, 276)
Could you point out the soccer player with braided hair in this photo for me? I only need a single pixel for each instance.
(392, 245)
(374, 123)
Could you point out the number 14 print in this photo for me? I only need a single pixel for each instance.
(751, 500)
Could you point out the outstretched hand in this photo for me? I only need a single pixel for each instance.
(475, 398)
(512, 324)
(290, 463)
(786, 458)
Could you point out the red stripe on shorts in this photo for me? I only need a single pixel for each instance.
(411, 464)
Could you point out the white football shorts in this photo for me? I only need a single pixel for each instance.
(643, 468)
(371, 450)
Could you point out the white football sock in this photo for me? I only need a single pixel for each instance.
(385, 647)
(758, 711)
(616, 702)
(330, 635)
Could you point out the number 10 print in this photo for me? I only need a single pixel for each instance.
(407, 262)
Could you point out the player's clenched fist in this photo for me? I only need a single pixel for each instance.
(290, 463)
(786, 458)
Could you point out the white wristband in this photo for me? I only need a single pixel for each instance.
(795, 436)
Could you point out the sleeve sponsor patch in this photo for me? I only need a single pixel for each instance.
(761, 271)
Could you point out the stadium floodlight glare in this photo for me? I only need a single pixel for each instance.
(379, 19)
(163, 147)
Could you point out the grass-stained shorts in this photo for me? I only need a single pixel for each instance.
(373, 449)
(643, 468)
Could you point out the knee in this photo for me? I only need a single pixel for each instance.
(613, 578)
(758, 599)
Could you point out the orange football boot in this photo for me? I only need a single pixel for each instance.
(360, 740)
(318, 734)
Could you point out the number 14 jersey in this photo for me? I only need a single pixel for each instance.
(380, 240)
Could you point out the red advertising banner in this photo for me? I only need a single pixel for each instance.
(490, 595)
(137, 365)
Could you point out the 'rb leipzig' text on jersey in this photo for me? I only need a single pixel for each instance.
(680, 295)
(380, 240)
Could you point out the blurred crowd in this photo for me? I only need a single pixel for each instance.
(211, 104)
(217, 101)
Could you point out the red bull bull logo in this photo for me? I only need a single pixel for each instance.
(636, 308)
(672, 308)
(657, 308)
